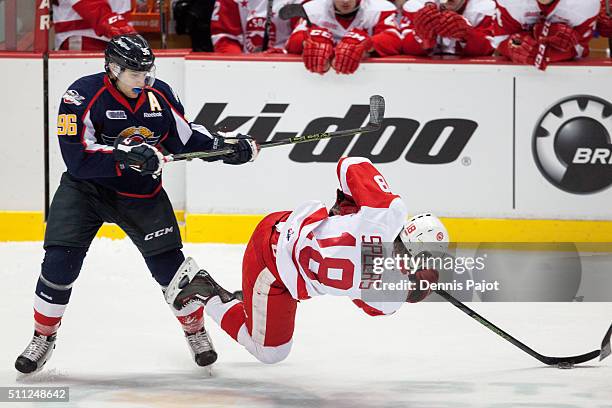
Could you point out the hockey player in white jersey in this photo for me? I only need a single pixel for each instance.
(460, 27)
(538, 32)
(343, 32)
(296, 255)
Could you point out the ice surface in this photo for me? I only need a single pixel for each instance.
(119, 345)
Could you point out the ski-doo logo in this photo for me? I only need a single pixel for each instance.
(572, 144)
(438, 141)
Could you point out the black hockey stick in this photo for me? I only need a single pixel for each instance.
(561, 362)
(609, 14)
(377, 113)
(266, 37)
(289, 11)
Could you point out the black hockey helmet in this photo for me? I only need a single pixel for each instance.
(129, 51)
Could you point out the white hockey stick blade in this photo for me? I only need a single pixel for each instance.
(183, 276)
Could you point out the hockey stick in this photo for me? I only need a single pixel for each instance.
(609, 14)
(163, 25)
(266, 36)
(540, 59)
(289, 11)
(561, 362)
(377, 113)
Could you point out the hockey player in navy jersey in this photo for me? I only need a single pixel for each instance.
(112, 130)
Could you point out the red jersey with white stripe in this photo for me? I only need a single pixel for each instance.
(480, 14)
(377, 17)
(318, 254)
(516, 16)
(93, 113)
(79, 18)
(238, 25)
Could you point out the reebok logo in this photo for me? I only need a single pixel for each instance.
(152, 114)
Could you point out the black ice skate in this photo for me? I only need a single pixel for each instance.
(201, 288)
(36, 354)
(201, 346)
(192, 284)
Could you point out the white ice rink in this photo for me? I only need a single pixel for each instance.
(119, 345)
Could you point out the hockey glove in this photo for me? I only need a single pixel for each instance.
(245, 149)
(344, 204)
(350, 50)
(318, 50)
(138, 156)
(454, 25)
(560, 36)
(522, 48)
(427, 24)
(604, 22)
(114, 24)
(420, 282)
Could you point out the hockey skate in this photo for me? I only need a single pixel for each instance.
(201, 347)
(193, 285)
(36, 354)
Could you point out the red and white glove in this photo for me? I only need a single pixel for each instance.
(427, 24)
(344, 205)
(318, 50)
(112, 25)
(417, 294)
(350, 50)
(560, 36)
(454, 25)
(522, 48)
(604, 22)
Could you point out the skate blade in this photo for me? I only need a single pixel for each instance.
(183, 276)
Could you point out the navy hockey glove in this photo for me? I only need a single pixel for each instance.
(141, 157)
(244, 148)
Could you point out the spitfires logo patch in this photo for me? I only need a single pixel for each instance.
(133, 135)
(72, 97)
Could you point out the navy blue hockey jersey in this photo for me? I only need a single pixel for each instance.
(93, 113)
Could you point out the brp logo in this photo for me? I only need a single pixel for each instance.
(572, 144)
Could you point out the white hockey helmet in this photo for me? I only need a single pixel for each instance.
(424, 233)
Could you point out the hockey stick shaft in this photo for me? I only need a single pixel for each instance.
(609, 14)
(377, 112)
(511, 339)
(273, 143)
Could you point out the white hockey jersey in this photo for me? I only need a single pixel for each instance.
(479, 13)
(521, 15)
(318, 254)
(373, 16)
(68, 23)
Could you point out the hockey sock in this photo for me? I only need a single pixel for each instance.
(60, 268)
(191, 317)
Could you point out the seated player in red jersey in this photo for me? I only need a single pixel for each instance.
(312, 251)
